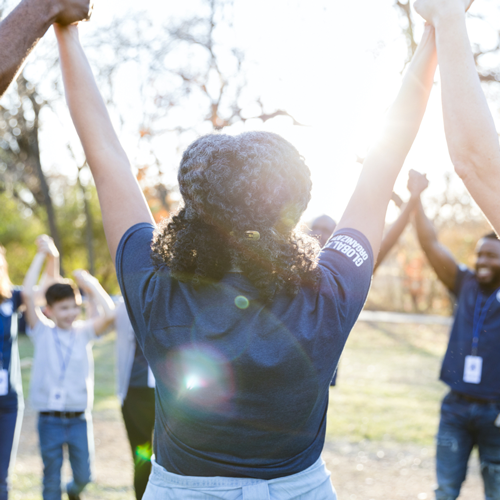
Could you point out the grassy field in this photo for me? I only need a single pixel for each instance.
(387, 395)
(387, 386)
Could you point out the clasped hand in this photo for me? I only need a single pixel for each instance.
(72, 11)
(433, 10)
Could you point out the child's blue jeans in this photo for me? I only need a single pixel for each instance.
(76, 433)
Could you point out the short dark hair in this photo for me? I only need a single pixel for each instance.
(491, 236)
(60, 291)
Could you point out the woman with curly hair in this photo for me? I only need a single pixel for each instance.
(240, 316)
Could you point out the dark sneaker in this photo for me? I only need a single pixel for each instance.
(73, 497)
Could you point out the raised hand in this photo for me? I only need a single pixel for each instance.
(433, 10)
(72, 11)
(84, 280)
(417, 183)
(45, 245)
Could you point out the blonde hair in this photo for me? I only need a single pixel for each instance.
(5, 284)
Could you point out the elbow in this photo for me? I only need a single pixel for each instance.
(109, 317)
(464, 169)
(469, 164)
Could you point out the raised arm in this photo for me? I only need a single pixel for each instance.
(105, 311)
(438, 255)
(121, 199)
(51, 273)
(367, 207)
(417, 183)
(33, 313)
(26, 24)
(470, 131)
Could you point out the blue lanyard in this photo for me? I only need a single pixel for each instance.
(2, 333)
(479, 317)
(64, 362)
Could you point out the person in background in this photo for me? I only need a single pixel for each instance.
(62, 377)
(322, 229)
(21, 30)
(470, 412)
(135, 390)
(11, 390)
(323, 226)
(469, 126)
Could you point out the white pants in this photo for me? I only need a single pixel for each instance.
(311, 484)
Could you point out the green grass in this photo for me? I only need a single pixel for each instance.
(387, 387)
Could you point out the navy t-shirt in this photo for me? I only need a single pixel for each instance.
(139, 372)
(9, 351)
(242, 387)
(467, 292)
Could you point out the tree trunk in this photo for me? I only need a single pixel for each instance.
(89, 224)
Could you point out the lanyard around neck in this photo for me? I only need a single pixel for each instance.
(480, 313)
(2, 335)
(64, 362)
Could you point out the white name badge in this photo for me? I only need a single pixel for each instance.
(473, 369)
(151, 378)
(4, 382)
(57, 399)
(7, 308)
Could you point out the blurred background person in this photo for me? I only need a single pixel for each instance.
(470, 412)
(135, 390)
(11, 391)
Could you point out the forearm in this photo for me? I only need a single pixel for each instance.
(121, 199)
(405, 115)
(386, 157)
(470, 130)
(31, 278)
(102, 304)
(426, 231)
(392, 236)
(52, 268)
(19, 33)
(85, 103)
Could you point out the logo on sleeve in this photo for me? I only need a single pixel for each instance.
(351, 248)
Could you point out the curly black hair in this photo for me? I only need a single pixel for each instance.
(256, 181)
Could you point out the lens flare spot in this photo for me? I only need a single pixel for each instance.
(200, 378)
(193, 382)
(143, 453)
(241, 302)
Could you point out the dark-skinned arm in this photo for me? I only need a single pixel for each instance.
(438, 255)
(391, 237)
(417, 183)
(21, 30)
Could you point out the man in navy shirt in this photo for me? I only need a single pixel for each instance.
(470, 412)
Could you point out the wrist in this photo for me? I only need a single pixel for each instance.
(53, 9)
(449, 17)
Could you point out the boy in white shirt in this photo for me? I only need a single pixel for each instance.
(62, 377)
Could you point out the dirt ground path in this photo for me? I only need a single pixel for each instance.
(360, 471)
